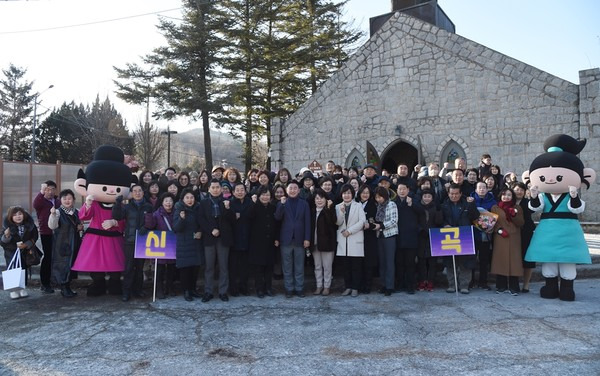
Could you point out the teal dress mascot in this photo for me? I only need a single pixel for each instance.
(558, 242)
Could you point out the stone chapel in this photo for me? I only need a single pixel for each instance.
(418, 92)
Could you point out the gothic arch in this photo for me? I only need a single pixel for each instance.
(451, 148)
(355, 158)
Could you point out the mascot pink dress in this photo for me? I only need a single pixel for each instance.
(558, 242)
(105, 178)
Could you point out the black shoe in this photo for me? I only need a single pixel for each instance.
(224, 297)
(382, 290)
(66, 292)
(196, 294)
(125, 297)
(244, 291)
(139, 294)
(260, 294)
(566, 292)
(300, 294)
(387, 292)
(410, 292)
(160, 294)
(73, 293)
(187, 295)
(289, 294)
(207, 297)
(47, 289)
(269, 292)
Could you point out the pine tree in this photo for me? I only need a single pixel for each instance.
(16, 107)
(181, 75)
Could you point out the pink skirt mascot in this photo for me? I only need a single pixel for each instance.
(101, 252)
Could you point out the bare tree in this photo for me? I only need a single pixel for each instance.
(149, 145)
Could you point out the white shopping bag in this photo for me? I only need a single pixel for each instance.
(13, 277)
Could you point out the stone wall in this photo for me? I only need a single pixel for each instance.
(412, 79)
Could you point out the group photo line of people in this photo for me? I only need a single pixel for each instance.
(371, 226)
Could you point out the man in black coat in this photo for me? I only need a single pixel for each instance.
(240, 205)
(459, 211)
(216, 222)
(409, 212)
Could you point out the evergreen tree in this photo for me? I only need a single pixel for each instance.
(16, 107)
(181, 76)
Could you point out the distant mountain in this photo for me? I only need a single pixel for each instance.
(187, 145)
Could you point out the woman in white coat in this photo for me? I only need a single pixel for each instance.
(351, 220)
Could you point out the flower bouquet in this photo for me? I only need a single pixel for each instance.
(486, 220)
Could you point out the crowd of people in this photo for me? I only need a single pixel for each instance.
(372, 226)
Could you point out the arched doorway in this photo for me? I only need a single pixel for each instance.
(396, 152)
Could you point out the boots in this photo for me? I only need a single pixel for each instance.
(550, 290)
(98, 286)
(566, 290)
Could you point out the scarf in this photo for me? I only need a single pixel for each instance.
(380, 215)
(506, 206)
(68, 211)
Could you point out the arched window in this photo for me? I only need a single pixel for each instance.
(451, 151)
(356, 159)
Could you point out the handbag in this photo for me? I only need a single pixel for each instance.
(13, 277)
(33, 256)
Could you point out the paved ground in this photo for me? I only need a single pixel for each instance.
(424, 334)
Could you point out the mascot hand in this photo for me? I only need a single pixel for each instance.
(108, 223)
(88, 200)
(572, 191)
(533, 191)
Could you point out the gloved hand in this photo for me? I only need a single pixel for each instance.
(502, 232)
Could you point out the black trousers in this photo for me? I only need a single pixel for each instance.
(188, 276)
(353, 268)
(405, 268)
(511, 282)
(46, 266)
(133, 276)
(484, 253)
(263, 276)
(165, 275)
(239, 271)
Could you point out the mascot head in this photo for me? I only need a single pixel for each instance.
(106, 177)
(559, 168)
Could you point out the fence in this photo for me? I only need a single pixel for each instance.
(20, 182)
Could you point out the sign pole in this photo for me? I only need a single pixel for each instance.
(155, 267)
(455, 279)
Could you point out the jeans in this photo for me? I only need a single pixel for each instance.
(292, 262)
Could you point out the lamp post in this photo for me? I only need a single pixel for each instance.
(168, 132)
(35, 102)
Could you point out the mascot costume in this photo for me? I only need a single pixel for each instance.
(558, 242)
(105, 178)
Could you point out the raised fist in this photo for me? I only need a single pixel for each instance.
(283, 200)
(182, 214)
(88, 200)
(254, 198)
(43, 188)
(329, 203)
(470, 199)
(226, 203)
(52, 210)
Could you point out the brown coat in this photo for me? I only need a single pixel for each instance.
(506, 256)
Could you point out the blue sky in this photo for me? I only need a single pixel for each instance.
(559, 37)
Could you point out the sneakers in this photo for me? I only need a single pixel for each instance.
(450, 289)
(354, 293)
(464, 291)
(347, 292)
(513, 292)
(500, 291)
(422, 286)
(14, 295)
(430, 286)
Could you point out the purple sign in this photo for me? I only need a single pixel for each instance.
(155, 245)
(452, 241)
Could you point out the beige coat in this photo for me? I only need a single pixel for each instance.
(507, 259)
(353, 245)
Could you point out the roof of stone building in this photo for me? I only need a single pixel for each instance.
(400, 33)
